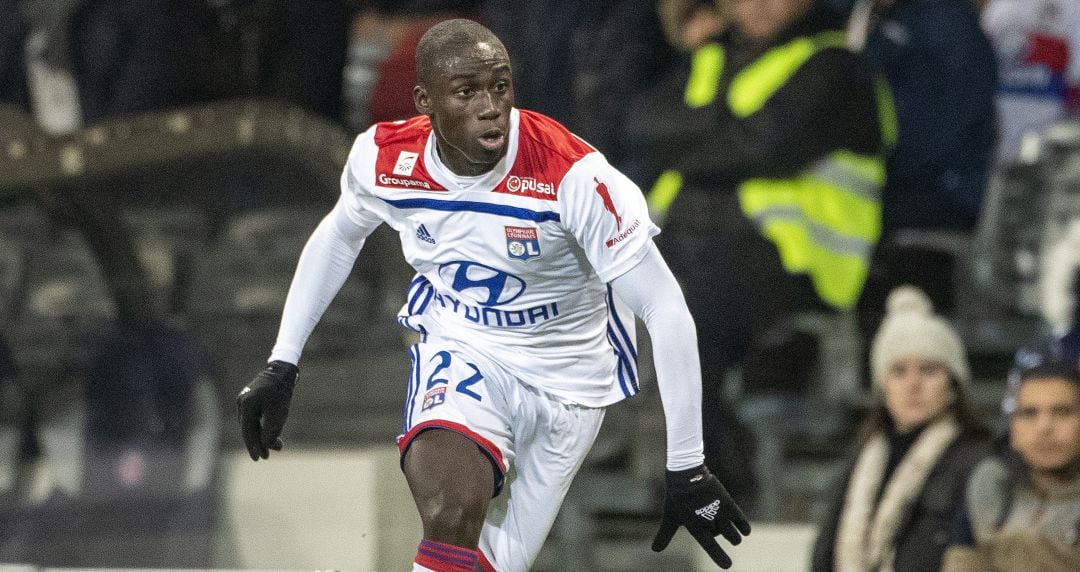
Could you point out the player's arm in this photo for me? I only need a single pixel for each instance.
(650, 290)
(695, 498)
(325, 264)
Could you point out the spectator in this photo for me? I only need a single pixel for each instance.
(942, 72)
(72, 62)
(625, 58)
(756, 169)
(544, 38)
(76, 61)
(131, 457)
(301, 53)
(381, 67)
(1059, 285)
(1037, 43)
(897, 502)
(941, 69)
(1022, 507)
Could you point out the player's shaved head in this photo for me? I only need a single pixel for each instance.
(451, 41)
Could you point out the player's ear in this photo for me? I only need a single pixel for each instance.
(421, 100)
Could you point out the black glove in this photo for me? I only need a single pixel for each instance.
(263, 406)
(696, 499)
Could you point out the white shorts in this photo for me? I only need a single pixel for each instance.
(536, 443)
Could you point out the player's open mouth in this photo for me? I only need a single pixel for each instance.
(493, 140)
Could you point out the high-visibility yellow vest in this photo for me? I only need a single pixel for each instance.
(824, 221)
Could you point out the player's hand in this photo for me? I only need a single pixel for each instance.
(696, 499)
(263, 406)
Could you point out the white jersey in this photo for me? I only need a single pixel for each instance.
(514, 263)
(1037, 43)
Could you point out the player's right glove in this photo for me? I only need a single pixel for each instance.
(263, 407)
(696, 499)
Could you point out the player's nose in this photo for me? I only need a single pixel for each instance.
(489, 108)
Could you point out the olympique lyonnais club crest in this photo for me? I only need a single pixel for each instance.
(522, 243)
(433, 398)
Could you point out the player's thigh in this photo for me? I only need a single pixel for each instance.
(450, 391)
(519, 520)
(451, 481)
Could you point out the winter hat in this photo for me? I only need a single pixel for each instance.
(912, 329)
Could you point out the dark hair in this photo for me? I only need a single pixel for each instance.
(445, 39)
(971, 423)
(1043, 361)
(1053, 369)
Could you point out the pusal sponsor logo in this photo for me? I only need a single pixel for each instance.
(389, 181)
(529, 185)
(624, 234)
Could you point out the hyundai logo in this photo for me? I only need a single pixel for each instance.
(487, 285)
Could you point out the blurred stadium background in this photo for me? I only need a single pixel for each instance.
(198, 211)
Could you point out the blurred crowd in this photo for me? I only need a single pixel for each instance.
(803, 157)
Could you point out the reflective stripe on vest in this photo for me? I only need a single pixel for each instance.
(706, 67)
(753, 86)
(663, 193)
(826, 220)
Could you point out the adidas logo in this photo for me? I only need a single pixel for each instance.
(709, 511)
(423, 234)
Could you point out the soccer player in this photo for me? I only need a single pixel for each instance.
(532, 255)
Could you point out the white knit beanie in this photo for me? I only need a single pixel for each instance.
(911, 329)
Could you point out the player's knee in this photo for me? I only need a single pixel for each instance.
(455, 519)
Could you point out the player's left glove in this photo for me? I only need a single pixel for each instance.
(263, 406)
(696, 499)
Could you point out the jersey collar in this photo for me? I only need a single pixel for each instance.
(487, 182)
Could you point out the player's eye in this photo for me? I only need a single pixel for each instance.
(465, 91)
(502, 86)
(1027, 413)
(1062, 411)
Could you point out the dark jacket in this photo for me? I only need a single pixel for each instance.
(827, 105)
(1009, 524)
(122, 56)
(943, 76)
(924, 526)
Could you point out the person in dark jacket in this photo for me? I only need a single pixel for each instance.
(120, 56)
(942, 71)
(943, 74)
(1022, 507)
(897, 502)
(773, 136)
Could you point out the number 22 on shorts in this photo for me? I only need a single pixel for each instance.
(462, 385)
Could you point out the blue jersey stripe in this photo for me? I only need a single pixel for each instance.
(620, 371)
(476, 207)
(630, 343)
(408, 400)
(414, 388)
(419, 297)
(624, 357)
(633, 383)
(624, 345)
(620, 364)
